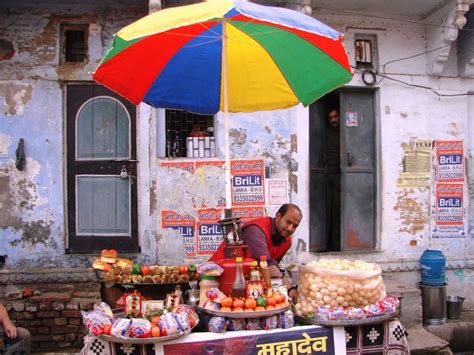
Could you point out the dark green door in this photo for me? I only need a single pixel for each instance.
(357, 179)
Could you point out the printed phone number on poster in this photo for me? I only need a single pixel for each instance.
(208, 247)
(189, 248)
(449, 219)
(457, 175)
(248, 198)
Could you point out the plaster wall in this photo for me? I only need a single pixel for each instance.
(32, 201)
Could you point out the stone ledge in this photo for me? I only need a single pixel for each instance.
(50, 275)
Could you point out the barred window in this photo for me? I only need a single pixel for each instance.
(186, 134)
(74, 43)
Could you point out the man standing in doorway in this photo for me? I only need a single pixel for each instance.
(333, 182)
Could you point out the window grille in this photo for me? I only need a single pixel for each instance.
(74, 43)
(180, 125)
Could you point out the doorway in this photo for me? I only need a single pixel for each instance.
(101, 171)
(343, 172)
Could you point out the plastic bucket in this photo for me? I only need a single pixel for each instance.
(454, 305)
(433, 265)
(433, 299)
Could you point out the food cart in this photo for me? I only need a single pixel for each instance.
(341, 308)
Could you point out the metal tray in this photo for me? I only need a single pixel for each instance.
(127, 340)
(346, 322)
(254, 314)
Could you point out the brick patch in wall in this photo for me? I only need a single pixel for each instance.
(53, 314)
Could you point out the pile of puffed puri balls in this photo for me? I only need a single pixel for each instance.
(342, 289)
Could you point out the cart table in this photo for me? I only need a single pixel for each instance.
(384, 338)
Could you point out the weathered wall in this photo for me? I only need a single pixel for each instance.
(405, 114)
(32, 201)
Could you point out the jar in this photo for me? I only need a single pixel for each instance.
(206, 283)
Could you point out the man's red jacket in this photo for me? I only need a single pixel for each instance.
(277, 252)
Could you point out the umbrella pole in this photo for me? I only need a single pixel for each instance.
(228, 197)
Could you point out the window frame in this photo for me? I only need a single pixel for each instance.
(65, 27)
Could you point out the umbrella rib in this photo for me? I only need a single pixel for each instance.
(202, 43)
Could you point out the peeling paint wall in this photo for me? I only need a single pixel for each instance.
(32, 201)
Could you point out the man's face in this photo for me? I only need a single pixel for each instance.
(286, 225)
(333, 118)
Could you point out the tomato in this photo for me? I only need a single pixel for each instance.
(279, 298)
(155, 331)
(248, 310)
(225, 309)
(155, 319)
(259, 308)
(237, 309)
(250, 303)
(107, 329)
(270, 307)
(145, 270)
(238, 303)
(183, 269)
(226, 302)
(271, 301)
(192, 321)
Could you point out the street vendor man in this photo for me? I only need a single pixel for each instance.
(270, 237)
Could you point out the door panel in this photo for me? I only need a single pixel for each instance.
(99, 136)
(102, 205)
(317, 178)
(358, 170)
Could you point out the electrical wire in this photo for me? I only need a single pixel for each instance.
(384, 76)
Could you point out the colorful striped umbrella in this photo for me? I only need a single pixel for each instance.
(224, 55)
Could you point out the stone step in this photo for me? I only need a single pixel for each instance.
(421, 341)
(410, 302)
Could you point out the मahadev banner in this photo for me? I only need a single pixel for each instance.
(299, 340)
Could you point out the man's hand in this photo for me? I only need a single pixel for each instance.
(9, 329)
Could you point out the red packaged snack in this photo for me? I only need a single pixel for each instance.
(253, 324)
(269, 323)
(188, 311)
(169, 324)
(217, 325)
(337, 313)
(372, 310)
(140, 328)
(120, 327)
(355, 313)
(323, 312)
